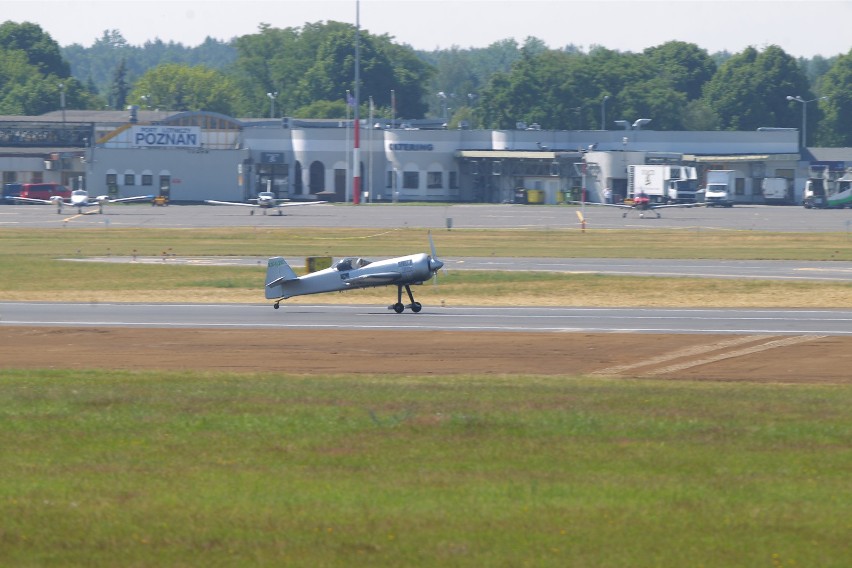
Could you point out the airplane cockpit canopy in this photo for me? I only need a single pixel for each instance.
(351, 263)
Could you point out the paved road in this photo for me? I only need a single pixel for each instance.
(368, 318)
(757, 217)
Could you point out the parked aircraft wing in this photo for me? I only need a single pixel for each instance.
(678, 205)
(31, 200)
(124, 199)
(297, 203)
(212, 202)
(619, 205)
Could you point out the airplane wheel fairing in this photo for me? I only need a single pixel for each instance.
(398, 308)
(416, 307)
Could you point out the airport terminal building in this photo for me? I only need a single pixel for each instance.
(193, 156)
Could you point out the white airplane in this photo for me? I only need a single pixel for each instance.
(80, 199)
(351, 273)
(265, 200)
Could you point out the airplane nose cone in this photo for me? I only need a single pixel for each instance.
(435, 264)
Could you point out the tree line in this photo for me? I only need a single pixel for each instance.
(307, 72)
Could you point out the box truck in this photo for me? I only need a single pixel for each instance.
(662, 183)
(719, 190)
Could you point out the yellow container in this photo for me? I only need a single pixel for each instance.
(535, 196)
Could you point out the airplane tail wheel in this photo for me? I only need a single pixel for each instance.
(276, 305)
(398, 308)
(416, 307)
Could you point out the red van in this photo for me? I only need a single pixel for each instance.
(44, 190)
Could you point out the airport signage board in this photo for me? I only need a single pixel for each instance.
(166, 136)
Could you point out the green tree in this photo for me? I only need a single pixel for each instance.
(685, 66)
(41, 50)
(750, 89)
(835, 129)
(316, 62)
(182, 88)
(120, 88)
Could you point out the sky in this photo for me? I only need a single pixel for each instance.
(802, 28)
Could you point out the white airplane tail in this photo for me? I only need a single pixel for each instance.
(277, 273)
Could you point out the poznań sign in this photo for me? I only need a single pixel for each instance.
(165, 136)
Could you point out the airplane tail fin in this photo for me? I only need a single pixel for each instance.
(277, 273)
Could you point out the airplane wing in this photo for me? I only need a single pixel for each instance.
(377, 278)
(619, 205)
(212, 202)
(297, 203)
(134, 198)
(31, 200)
(676, 205)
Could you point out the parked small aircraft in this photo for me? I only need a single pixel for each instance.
(351, 273)
(80, 199)
(641, 203)
(265, 200)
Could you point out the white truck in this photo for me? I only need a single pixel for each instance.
(777, 190)
(719, 190)
(662, 183)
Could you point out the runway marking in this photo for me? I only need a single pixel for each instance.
(701, 349)
(738, 353)
(686, 352)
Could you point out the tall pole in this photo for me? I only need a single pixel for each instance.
(370, 184)
(603, 112)
(356, 153)
(804, 115)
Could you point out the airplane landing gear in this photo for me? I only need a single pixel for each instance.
(277, 304)
(399, 307)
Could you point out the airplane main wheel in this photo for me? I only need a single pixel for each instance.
(416, 307)
(398, 307)
(276, 306)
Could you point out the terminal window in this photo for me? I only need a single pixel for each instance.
(147, 179)
(129, 179)
(435, 180)
(411, 180)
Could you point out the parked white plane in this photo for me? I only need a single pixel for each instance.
(80, 199)
(351, 273)
(265, 200)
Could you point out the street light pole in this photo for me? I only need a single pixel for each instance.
(272, 96)
(603, 112)
(804, 115)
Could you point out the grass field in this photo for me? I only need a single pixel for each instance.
(111, 468)
(105, 469)
(31, 272)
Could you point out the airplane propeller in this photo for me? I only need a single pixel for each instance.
(435, 264)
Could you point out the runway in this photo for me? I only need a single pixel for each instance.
(472, 319)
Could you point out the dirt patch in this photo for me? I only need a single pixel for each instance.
(766, 358)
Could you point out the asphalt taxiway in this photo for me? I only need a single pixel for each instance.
(460, 216)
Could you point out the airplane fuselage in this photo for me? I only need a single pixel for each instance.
(411, 269)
